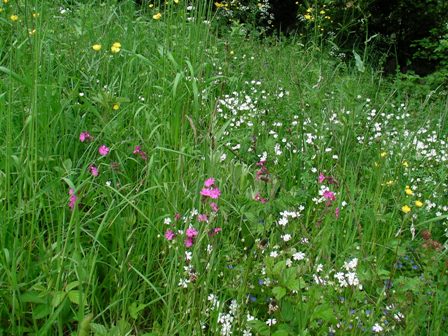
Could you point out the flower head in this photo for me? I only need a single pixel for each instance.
(191, 232)
(418, 204)
(14, 17)
(169, 235)
(405, 208)
(209, 182)
(214, 207)
(72, 199)
(93, 170)
(85, 136)
(103, 150)
(211, 192)
(116, 106)
(157, 16)
(116, 47)
(321, 178)
(96, 47)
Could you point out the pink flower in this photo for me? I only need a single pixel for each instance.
(214, 207)
(177, 216)
(336, 212)
(260, 199)
(209, 182)
(189, 242)
(329, 195)
(211, 192)
(93, 170)
(202, 218)
(138, 151)
(214, 231)
(103, 150)
(73, 198)
(191, 232)
(85, 136)
(321, 178)
(169, 235)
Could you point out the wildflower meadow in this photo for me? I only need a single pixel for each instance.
(167, 170)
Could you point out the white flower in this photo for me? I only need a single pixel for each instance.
(377, 328)
(286, 237)
(271, 322)
(298, 256)
(274, 254)
(188, 255)
(167, 221)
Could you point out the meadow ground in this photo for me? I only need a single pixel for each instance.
(159, 178)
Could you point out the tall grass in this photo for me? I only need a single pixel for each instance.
(202, 106)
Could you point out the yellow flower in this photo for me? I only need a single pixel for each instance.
(383, 154)
(116, 106)
(157, 16)
(176, 1)
(307, 17)
(151, 5)
(418, 204)
(406, 209)
(408, 191)
(35, 15)
(96, 47)
(309, 10)
(5, 1)
(116, 47)
(390, 182)
(322, 12)
(405, 164)
(14, 17)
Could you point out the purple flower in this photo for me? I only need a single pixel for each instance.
(85, 136)
(209, 182)
(73, 198)
(169, 235)
(103, 150)
(191, 232)
(93, 170)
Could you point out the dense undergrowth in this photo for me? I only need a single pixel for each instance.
(156, 179)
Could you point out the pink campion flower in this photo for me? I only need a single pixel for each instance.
(72, 200)
(85, 136)
(138, 151)
(177, 216)
(336, 212)
(103, 150)
(214, 207)
(202, 218)
(189, 242)
(329, 195)
(211, 192)
(169, 235)
(214, 232)
(260, 199)
(215, 193)
(93, 170)
(321, 178)
(191, 232)
(209, 182)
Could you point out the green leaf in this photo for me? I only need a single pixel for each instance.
(75, 297)
(58, 297)
(323, 312)
(41, 311)
(32, 297)
(279, 292)
(98, 329)
(295, 284)
(359, 63)
(259, 326)
(135, 308)
(281, 332)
